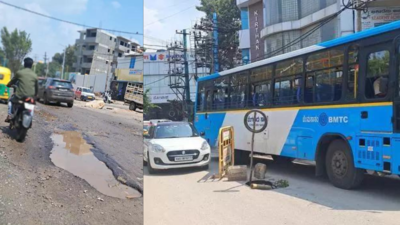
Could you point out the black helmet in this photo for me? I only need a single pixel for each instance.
(27, 59)
(28, 62)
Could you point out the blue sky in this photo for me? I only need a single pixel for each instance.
(163, 17)
(48, 35)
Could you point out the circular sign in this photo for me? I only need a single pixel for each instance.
(255, 121)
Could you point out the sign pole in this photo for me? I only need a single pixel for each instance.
(263, 123)
(252, 146)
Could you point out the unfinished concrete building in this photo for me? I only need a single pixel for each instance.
(97, 51)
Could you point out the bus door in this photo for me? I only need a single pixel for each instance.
(396, 93)
(375, 68)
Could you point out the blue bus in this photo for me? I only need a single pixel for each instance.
(336, 103)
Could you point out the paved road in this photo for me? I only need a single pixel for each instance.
(34, 191)
(189, 196)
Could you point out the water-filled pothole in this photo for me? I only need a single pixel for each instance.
(72, 153)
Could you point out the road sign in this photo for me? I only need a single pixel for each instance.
(255, 121)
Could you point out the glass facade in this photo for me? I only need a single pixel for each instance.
(244, 15)
(245, 56)
(278, 11)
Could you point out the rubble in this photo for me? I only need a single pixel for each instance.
(96, 104)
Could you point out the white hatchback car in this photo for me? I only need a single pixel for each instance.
(171, 145)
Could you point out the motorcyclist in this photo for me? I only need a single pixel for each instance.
(27, 82)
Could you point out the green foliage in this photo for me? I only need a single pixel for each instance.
(54, 66)
(147, 105)
(15, 46)
(228, 16)
(70, 58)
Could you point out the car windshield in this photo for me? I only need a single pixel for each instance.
(86, 90)
(175, 131)
(64, 84)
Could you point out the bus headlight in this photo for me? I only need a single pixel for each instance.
(205, 146)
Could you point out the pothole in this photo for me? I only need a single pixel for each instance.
(72, 153)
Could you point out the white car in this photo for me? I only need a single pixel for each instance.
(84, 94)
(171, 145)
(155, 122)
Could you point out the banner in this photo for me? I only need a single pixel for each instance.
(377, 16)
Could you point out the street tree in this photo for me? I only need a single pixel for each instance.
(228, 21)
(70, 58)
(15, 46)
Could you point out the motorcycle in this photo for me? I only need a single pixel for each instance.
(21, 119)
(107, 97)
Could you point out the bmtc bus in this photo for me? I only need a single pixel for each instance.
(336, 103)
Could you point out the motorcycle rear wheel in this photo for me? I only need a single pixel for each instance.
(21, 133)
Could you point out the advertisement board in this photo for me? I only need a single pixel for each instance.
(377, 16)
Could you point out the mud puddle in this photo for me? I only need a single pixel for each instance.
(72, 153)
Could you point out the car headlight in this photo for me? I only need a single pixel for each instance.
(158, 149)
(205, 146)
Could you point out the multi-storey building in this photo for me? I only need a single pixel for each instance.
(271, 27)
(97, 51)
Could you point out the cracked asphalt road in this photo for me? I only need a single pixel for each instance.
(34, 191)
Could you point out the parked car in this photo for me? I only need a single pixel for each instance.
(56, 90)
(171, 145)
(84, 94)
(41, 81)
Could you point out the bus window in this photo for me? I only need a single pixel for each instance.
(209, 100)
(328, 85)
(352, 73)
(260, 94)
(376, 84)
(260, 87)
(220, 95)
(200, 97)
(324, 76)
(238, 84)
(287, 88)
(309, 91)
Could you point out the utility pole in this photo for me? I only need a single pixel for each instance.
(215, 46)
(45, 63)
(108, 71)
(62, 71)
(186, 64)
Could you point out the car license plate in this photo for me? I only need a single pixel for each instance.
(90, 97)
(183, 158)
(63, 89)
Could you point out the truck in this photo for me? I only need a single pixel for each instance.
(134, 95)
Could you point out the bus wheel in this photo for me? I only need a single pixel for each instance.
(340, 166)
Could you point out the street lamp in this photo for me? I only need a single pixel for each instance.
(63, 64)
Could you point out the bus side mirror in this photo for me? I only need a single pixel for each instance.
(202, 133)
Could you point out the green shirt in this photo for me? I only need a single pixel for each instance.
(26, 81)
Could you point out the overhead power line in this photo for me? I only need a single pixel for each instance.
(69, 22)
